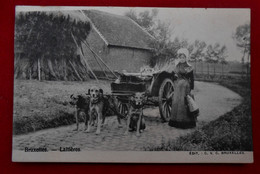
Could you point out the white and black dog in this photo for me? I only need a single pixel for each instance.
(98, 107)
(135, 119)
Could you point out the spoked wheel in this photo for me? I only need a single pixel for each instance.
(166, 92)
(123, 108)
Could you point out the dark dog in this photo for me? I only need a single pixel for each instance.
(135, 119)
(81, 104)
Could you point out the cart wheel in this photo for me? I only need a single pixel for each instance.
(166, 92)
(123, 108)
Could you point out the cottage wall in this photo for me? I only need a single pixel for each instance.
(117, 58)
(127, 59)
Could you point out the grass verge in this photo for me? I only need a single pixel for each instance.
(45, 104)
(230, 132)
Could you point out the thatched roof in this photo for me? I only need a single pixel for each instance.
(72, 15)
(47, 41)
(75, 15)
(119, 30)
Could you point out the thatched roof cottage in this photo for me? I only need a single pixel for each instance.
(118, 40)
(76, 45)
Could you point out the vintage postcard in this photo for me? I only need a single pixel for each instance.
(132, 85)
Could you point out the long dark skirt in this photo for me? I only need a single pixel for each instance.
(180, 117)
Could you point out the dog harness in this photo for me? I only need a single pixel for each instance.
(95, 100)
(136, 106)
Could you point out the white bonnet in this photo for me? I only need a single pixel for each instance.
(184, 51)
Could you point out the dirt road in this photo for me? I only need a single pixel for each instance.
(213, 100)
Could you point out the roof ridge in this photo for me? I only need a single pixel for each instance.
(95, 28)
(107, 13)
(143, 48)
(118, 38)
(141, 28)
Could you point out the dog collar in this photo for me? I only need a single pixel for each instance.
(95, 100)
(136, 106)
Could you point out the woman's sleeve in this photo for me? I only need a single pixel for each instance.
(191, 77)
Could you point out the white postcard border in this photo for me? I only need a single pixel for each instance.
(135, 157)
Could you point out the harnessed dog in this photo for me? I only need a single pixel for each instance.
(98, 107)
(104, 103)
(81, 104)
(135, 119)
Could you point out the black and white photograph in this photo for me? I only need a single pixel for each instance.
(132, 85)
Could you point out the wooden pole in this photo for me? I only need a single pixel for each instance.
(83, 56)
(65, 69)
(30, 73)
(39, 69)
(99, 58)
(75, 71)
(81, 52)
(99, 65)
(51, 69)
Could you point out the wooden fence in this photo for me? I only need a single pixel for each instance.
(219, 69)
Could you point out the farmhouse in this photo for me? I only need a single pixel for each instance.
(78, 45)
(119, 41)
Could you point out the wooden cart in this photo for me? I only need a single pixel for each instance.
(158, 86)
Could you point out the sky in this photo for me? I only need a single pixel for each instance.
(210, 25)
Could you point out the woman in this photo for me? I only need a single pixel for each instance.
(180, 116)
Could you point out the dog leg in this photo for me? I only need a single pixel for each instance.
(119, 122)
(99, 121)
(128, 123)
(86, 121)
(103, 121)
(77, 120)
(142, 124)
(89, 122)
(89, 126)
(138, 126)
(95, 122)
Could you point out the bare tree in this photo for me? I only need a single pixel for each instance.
(216, 54)
(197, 52)
(163, 47)
(209, 56)
(222, 58)
(146, 19)
(242, 39)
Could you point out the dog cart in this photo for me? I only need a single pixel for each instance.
(158, 86)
